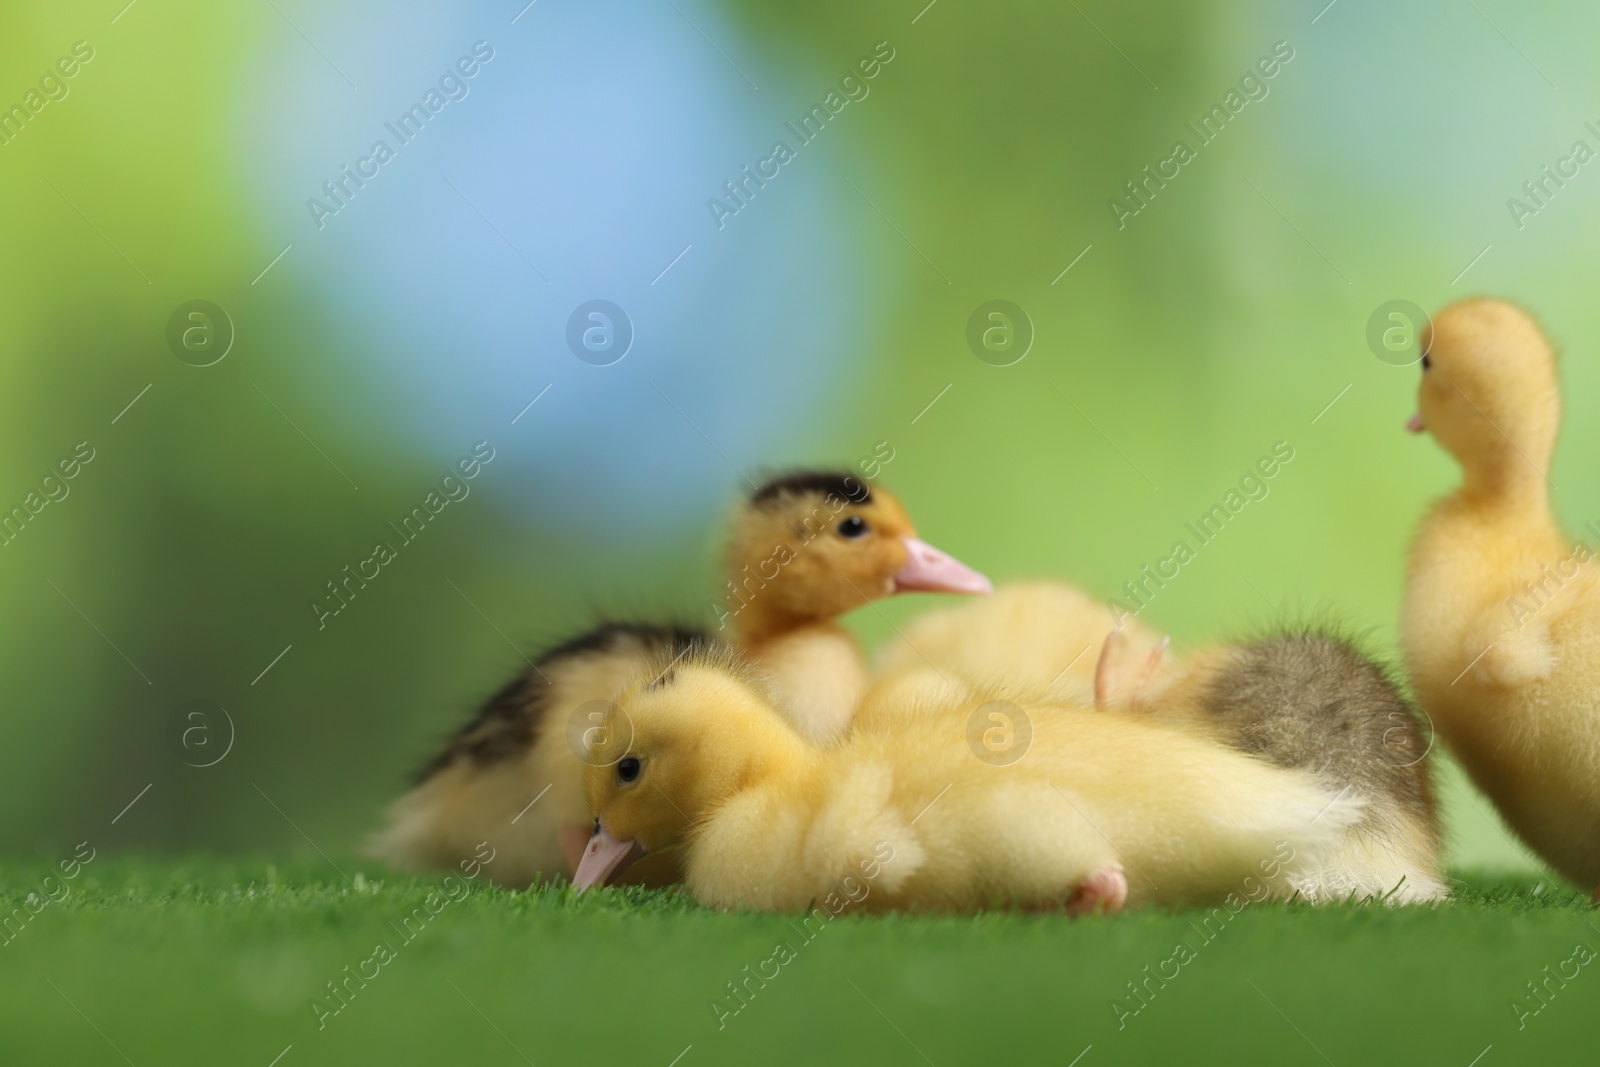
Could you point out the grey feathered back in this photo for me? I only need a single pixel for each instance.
(1312, 701)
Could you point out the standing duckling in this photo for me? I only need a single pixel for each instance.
(1100, 809)
(1501, 620)
(805, 549)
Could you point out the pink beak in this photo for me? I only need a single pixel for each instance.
(930, 571)
(1414, 423)
(604, 857)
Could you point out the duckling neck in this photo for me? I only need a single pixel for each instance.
(818, 676)
(1488, 514)
(1512, 484)
(1507, 464)
(757, 623)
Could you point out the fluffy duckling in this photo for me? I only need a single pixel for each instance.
(1310, 701)
(1501, 620)
(511, 776)
(805, 549)
(1099, 810)
(1030, 636)
(826, 544)
(1303, 700)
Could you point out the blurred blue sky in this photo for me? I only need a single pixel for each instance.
(591, 143)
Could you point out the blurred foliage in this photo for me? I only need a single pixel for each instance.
(1213, 325)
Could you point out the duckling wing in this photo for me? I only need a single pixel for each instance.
(787, 846)
(1505, 652)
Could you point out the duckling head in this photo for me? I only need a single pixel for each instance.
(813, 545)
(1489, 393)
(683, 737)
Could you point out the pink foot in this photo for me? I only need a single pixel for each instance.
(1106, 890)
(1105, 671)
(1102, 669)
(1151, 664)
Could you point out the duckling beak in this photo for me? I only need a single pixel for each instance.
(931, 571)
(604, 857)
(1414, 423)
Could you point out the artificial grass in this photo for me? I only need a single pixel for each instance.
(202, 961)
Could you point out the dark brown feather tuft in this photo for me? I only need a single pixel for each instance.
(842, 484)
(509, 722)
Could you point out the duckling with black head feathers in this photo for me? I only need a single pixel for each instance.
(833, 544)
(805, 548)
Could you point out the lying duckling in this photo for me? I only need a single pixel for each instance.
(511, 776)
(1099, 809)
(805, 549)
(1312, 702)
(1307, 701)
(1501, 620)
(1028, 635)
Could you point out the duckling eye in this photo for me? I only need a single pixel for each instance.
(1427, 361)
(627, 769)
(853, 527)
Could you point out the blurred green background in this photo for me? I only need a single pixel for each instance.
(831, 313)
(1177, 350)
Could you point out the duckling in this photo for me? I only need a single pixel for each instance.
(1029, 636)
(832, 544)
(805, 549)
(1501, 619)
(1299, 699)
(1311, 701)
(1099, 810)
(511, 775)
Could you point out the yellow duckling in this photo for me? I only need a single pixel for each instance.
(1301, 700)
(1030, 635)
(805, 549)
(1099, 809)
(784, 607)
(1501, 620)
